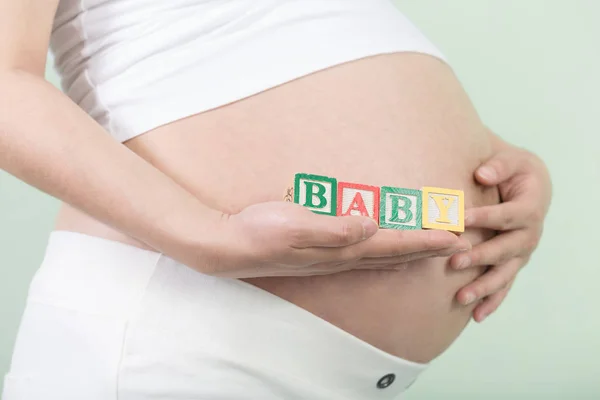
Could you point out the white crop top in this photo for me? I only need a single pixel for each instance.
(134, 65)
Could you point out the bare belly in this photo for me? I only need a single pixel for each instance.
(398, 120)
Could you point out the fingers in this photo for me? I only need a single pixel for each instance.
(498, 250)
(494, 280)
(326, 231)
(394, 244)
(500, 167)
(491, 303)
(501, 217)
(382, 263)
(406, 244)
(406, 258)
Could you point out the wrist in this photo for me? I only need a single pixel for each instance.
(210, 243)
(188, 232)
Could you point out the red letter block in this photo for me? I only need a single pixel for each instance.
(357, 199)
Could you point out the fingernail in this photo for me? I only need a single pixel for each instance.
(469, 219)
(369, 228)
(464, 262)
(487, 173)
(453, 252)
(469, 298)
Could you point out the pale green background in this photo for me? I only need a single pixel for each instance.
(532, 69)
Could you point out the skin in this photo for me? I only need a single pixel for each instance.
(414, 102)
(50, 143)
(526, 189)
(395, 290)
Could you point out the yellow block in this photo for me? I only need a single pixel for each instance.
(443, 209)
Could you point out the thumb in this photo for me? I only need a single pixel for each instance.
(500, 167)
(327, 231)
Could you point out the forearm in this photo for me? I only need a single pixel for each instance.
(51, 144)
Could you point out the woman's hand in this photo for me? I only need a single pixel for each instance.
(286, 239)
(526, 190)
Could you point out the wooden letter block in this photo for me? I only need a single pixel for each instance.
(443, 209)
(400, 208)
(357, 199)
(317, 193)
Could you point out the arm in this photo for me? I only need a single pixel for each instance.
(50, 143)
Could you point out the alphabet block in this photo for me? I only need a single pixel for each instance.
(400, 208)
(443, 209)
(357, 199)
(317, 193)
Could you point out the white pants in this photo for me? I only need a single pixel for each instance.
(107, 321)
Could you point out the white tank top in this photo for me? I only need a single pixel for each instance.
(134, 65)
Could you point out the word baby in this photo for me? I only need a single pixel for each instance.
(391, 207)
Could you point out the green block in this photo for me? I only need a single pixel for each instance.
(317, 193)
(400, 208)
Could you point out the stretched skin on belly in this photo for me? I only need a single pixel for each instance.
(399, 120)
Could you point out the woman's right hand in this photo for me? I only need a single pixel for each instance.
(285, 239)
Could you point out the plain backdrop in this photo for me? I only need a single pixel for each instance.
(532, 69)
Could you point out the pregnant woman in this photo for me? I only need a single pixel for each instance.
(175, 270)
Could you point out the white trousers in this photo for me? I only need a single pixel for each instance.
(105, 321)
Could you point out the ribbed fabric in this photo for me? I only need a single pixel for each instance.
(134, 65)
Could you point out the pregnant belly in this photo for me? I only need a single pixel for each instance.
(398, 120)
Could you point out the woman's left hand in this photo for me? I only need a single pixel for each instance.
(526, 190)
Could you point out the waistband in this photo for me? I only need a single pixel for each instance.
(111, 278)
